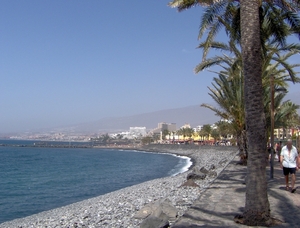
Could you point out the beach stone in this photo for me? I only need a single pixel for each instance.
(196, 169)
(190, 183)
(212, 167)
(168, 208)
(144, 212)
(196, 176)
(204, 170)
(157, 214)
(156, 209)
(212, 174)
(155, 222)
(223, 161)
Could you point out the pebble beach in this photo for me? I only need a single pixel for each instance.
(119, 208)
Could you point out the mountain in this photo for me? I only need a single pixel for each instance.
(193, 115)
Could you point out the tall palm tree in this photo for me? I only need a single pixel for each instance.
(286, 115)
(215, 134)
(225, 128)
(257, 207)
(165, 133)
(185, 132)
(189, 132)
(201, 134)
(206, 129)
(228, 94)
(180, 132)
(227, 88)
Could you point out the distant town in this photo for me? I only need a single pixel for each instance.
(218, 133)
(163, 132)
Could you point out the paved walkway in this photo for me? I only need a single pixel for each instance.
(225, 198)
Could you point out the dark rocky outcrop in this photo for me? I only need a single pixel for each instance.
(196, 176)
(212, 174)
(223, 161)
(202, 173)
(212, 167)
(190, 183)
(155, 222)
(204, 170)
(157, 214)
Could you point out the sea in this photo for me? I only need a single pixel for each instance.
(35, 179)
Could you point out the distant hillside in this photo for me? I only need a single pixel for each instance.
(194, 115)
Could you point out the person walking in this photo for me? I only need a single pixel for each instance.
(289, 161)
(278, 150)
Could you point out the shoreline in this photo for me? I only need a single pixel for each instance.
(118, 208)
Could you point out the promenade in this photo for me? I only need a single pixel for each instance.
(225, 198)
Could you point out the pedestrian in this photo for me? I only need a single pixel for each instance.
(278, 150)
(289, 161)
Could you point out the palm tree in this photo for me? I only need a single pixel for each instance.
(286, 115)
(215, 134)
(257, 207)
(165, 133)
(119, 136)
(155, 137)
(228, 94)
(206, 129)
(225, 128)
(186, 132)
(181, 132)
(147, 140)
(201, 134)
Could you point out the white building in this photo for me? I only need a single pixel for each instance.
(198, 128)
(137, 131)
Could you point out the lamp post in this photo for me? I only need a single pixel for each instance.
(272, 128)
(297, 138)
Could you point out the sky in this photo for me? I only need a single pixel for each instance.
(70, 62)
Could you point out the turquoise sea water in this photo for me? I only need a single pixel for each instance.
(35, 179)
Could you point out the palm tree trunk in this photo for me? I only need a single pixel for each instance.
(243, 147)
(257, 208)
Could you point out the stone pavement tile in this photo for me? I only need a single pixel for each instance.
(225, 198)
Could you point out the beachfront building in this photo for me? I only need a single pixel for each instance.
(171, 127)
(167, 126)
(282, 134)
(162, 127)
(186, 125)
(198, 128)
(137, 132)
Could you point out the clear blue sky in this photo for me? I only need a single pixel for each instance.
(68, 62)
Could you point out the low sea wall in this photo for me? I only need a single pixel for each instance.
(185, 148)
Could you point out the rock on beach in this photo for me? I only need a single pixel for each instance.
(161, 200)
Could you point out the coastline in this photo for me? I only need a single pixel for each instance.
(117, 209)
